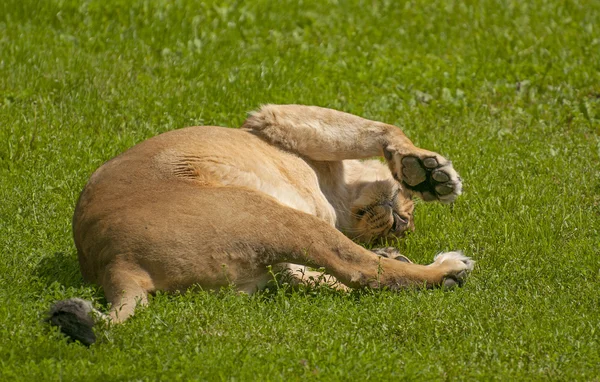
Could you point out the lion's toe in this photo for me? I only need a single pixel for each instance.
(457, 268)
(431, 177)
(391, 253)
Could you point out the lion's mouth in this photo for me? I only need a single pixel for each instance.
(400, 224)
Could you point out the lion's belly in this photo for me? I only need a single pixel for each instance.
(307, 198)
(238, 158)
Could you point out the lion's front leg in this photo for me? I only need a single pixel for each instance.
(322, 134)
(297, 275)
(301, 275)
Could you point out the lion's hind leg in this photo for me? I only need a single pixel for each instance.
(126, 286)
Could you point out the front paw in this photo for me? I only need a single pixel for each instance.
(455, 268)
(427, 174)
(391, 253)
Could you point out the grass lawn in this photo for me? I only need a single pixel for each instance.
(509, 90)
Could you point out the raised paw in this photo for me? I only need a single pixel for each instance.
(431, 178)
(429, 175)
(455, 268)
(391, 253)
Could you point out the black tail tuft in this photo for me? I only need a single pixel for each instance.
(73, 318)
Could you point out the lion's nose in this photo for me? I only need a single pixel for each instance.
(400, 223)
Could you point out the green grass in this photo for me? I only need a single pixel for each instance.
(509, 90)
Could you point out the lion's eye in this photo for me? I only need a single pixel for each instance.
(360, 213)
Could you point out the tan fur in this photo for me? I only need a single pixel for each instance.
(213, 206)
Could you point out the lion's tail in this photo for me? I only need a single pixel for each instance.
(75, 317)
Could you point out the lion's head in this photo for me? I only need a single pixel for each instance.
(382, 210)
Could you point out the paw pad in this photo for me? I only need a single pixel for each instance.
(431, 178)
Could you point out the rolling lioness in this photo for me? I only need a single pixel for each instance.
(212, 206)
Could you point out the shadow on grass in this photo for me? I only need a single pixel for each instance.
(62, 268)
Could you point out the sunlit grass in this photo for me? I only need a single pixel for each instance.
(508, 90)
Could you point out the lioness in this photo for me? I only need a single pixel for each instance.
(213, 206)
